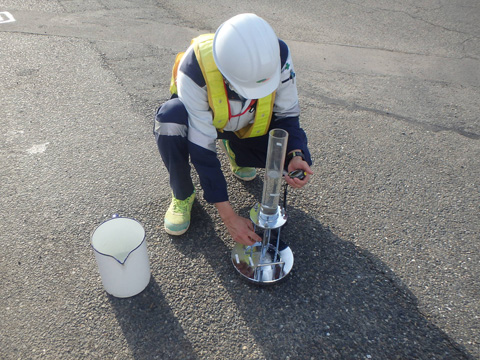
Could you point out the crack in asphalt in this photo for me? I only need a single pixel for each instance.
(419, 18)
(406, 119)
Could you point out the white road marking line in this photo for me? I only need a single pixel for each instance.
(6, 17)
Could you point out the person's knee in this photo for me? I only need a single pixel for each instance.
(171, 119)
(173, 111)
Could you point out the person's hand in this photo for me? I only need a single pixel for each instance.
(239, 228)
(297, 163)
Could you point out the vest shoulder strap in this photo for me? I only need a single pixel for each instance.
(263, 117)
(173, 80)
(217, 94)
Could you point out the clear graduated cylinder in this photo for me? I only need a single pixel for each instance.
(277, 147)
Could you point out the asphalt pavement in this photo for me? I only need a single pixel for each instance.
(385, 237)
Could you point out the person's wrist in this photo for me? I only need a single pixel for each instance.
(225, 210)
(294, 154)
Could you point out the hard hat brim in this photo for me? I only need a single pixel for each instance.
(256, 92)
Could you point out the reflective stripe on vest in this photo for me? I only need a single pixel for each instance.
(217, 92)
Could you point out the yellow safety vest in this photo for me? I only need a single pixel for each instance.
(217, 92)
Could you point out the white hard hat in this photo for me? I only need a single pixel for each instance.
(247, 53)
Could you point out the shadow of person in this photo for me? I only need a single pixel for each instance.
(150, 327)
(338, 302)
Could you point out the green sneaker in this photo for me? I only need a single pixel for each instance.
(177, 217)
(243, 173)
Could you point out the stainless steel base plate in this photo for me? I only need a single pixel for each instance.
(275, 265)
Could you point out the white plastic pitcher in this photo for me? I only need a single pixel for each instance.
(121, 253)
